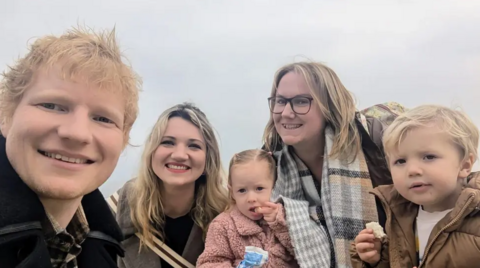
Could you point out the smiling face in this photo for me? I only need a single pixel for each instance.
(295, 129)
(251, 187)
(180, 158)
(427, 169)
(65, 138)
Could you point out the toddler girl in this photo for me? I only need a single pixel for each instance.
(251, 220)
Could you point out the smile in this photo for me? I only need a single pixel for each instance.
(64, 158)
(291, 126)
(178, 167)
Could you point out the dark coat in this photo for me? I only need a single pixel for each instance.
(147, 258)
(22, 243)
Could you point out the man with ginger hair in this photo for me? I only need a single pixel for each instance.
(66, 110)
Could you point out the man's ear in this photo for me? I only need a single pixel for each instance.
(466, 167)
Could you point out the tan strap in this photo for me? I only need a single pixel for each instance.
(160, 248)
(363, 119)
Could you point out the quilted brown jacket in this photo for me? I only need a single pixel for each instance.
(454, 241)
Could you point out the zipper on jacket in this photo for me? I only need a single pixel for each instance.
(459, 215)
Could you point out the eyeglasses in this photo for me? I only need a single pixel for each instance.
(299, 105)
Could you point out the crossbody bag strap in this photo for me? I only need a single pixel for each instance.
(158, 247)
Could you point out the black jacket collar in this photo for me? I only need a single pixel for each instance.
(19, 204)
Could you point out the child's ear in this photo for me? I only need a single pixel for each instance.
(466, 167)
(230, 192)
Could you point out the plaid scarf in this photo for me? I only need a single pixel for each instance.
(323, 226)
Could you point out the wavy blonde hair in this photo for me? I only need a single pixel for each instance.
(82, 53)
(335, 102)
(456, 124)
(210, 196)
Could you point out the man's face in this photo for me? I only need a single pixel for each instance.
(65, 137)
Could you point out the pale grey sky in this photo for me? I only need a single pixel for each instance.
(222, 55)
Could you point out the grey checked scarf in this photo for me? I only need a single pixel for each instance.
(344, 203)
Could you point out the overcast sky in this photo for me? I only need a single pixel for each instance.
(222, 55)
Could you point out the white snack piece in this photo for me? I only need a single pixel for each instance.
(377, 229)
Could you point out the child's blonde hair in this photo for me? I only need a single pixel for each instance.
(456, 124)
(245, 157)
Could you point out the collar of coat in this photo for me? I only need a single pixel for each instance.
(244, 225)
(406, 211)
(19, 204)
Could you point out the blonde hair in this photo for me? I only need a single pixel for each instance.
(146, 205)
(245, 157)
(463, 133)
(336, 104)
(81, 54)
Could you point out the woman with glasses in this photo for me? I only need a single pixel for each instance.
(327, 162)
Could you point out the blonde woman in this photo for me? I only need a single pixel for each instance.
(177, 193)
(326, 162)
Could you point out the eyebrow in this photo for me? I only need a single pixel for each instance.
(190, 140)
(256, 184)
(420, 152)
(57, 95)
(111, 113)
(427, 152)
(299, 95)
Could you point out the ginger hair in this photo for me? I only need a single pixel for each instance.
(85, 55)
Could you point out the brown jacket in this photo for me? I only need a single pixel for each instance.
(454, 241)
(146, 258)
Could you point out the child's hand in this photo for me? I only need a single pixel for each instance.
(368, 247)
(269, 211)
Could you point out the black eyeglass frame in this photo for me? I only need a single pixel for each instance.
(289, 101)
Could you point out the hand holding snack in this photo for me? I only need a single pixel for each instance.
(269, 211)
(368, 246)
(377, 229)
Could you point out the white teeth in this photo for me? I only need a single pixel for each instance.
(65, 158)
(177, 167)
(291, 126)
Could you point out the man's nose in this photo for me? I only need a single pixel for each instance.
(76, 127)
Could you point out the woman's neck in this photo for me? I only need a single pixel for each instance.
(177, 201)
(312, 156)
(310, 153)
